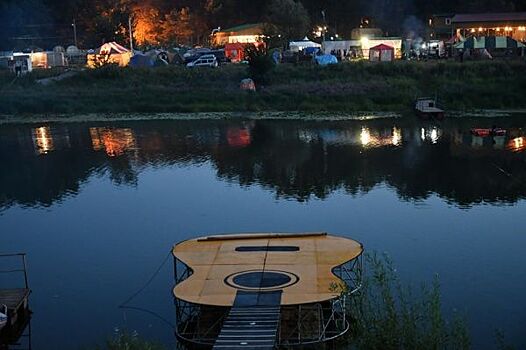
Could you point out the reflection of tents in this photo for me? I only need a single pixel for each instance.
(110, 53)
(382, 52)
(296, 46)
(489, 42)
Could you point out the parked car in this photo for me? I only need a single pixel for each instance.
(204, 61)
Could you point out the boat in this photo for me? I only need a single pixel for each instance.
(265, 290)
(481, 132)
(427, 108)
(3, 317)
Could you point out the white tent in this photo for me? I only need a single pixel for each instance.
(296, 46)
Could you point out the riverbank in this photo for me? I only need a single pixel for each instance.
(347, 88)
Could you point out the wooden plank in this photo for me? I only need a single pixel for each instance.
(13, 298)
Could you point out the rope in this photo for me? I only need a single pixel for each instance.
(502, 170)
(125, 305)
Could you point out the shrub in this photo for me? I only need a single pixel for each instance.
(260, 63)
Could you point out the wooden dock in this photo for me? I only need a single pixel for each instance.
(16, 300)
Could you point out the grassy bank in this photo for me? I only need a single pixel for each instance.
(345, 88)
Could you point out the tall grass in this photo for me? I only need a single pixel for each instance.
(389, 315)
(345, 87)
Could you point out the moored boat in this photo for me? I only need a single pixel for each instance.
(426, 107)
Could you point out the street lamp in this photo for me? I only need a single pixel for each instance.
(74, 25)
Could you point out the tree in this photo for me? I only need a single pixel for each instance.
(146, 24)
(290, 17)
(260, 62)
(179, 27)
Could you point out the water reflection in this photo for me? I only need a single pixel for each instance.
(114, 141)
(517, 144)
(295, 160)
(431, 134)
(42, 140)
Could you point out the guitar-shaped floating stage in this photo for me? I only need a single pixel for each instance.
(257, 290)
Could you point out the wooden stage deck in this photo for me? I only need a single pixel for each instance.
(298, 265)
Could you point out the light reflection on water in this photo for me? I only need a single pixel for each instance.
(296, 160)
(117, 195)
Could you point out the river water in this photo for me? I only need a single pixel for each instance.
(97, 206)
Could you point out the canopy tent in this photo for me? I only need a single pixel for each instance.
(111, 48)
(489, 42)
(297, 46)
(109, 53)
(382, 53)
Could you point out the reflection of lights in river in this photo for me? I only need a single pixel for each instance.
(517, 144)
(397, 137)
(365, 136)
(434, 135)
(113, 141)
(43, 139)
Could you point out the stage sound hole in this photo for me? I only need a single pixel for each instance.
(261, 280)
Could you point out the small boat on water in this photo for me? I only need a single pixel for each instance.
(426, 107)
(481, 132)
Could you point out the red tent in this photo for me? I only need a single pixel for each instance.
(381, 52)
(236, 51)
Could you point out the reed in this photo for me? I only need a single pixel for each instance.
(389, 315)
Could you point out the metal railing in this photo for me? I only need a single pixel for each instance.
(20, 270)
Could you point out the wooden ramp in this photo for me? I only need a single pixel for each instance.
(252, 323)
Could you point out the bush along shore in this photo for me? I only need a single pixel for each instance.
(351, 87)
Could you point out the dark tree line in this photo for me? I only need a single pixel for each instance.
(46, 23)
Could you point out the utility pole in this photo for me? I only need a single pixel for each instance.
(323, 31)
(131, 33)
(74, 25)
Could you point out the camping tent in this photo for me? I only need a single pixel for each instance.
(141, 60)
(489, 42)
(324, 60)
(381, 53)
(296, 46)
(109, 53)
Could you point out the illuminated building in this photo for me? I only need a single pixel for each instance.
(439, 26)
(244, 34)
(512, 24)
(446, 26)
